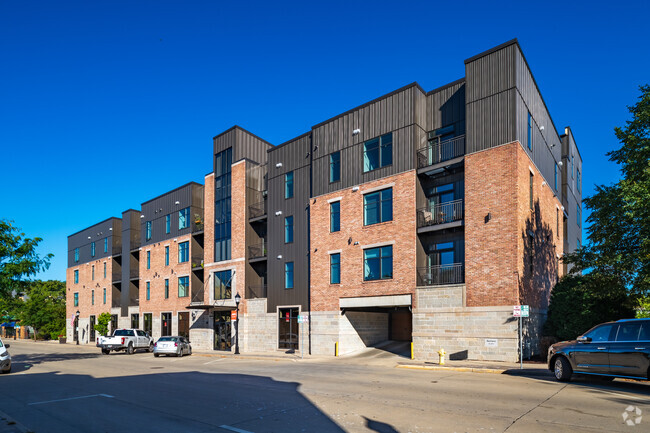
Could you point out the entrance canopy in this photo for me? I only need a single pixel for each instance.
(9, 324)
(376, 301)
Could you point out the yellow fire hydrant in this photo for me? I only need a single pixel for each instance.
(441, 354)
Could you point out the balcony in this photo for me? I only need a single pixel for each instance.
(257, 211)
(444, 151)
(257, 252)
(256, 291)
(441, 275)
(440, 216)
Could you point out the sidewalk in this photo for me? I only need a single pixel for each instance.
(495, 367)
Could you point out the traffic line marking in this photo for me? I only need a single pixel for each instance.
(71, 398)
(235, 429)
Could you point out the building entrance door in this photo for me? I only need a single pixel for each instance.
(222, 330)
(288, 329)
(165, 324)
(184, 324)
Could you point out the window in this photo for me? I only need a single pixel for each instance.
(578, 185)
(148, 290)
(167, 255)
(166, 288)
(222, 211)
(148, 235)
(92, 297)
(92, 249)
(378, 263)
(288, 185)
(530, 131)
(288, 275)
(105, 245)
(557, 222)
(555, 184)
(530, 191)
(76, 255)
(600, 333)
(378, 152)
(223, 285)
(378, 207)
(104, 269)
(335, 167)
(183, 218)
(135, 322)
(628, 331)
(76, 276)
(335, 216)
(147, 322)
(183, 252)
(183, 287)
(104, 296)
(288, 230)
(578, 215)
(168, 223)
(148, 259)
(335, 268)
(92, 270)
(76, 299)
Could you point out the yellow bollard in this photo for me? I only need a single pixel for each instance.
(412, 357)
(441, 354)
(336, 349)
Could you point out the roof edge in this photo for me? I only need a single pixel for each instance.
(493, 49)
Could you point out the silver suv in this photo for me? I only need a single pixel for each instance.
(5, 358)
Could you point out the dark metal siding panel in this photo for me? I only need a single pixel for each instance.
(250, 147)
(224, 141)
(294, 158)
(491, 74)
(490, 121)
(96, 233)
(445, 107)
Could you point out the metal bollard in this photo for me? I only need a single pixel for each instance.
(336, 349)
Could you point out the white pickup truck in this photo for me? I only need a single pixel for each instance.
(128, 340)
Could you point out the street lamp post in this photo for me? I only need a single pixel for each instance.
(237, 300)
(76, 326)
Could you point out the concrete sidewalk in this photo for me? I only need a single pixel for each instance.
(495, 367)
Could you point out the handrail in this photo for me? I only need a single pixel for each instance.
(441, 151)
(441, 213)
(438, 275)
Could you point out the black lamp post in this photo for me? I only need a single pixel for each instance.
(76, 326)
(237, 300)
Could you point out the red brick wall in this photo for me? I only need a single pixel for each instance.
(401, 230)
(208, 220)
(85, 287)
(496, 272)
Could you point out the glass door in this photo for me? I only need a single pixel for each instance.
(288, 329)
(222, 330)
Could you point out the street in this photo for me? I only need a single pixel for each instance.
(67, 388)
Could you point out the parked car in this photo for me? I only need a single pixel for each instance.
(128, 340)
(5, 358)
(174, 345)
(609, 350)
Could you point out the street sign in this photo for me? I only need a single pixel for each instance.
(286, 316)
(525, 311)
(303, 318)
(521, 311)
(233, 315)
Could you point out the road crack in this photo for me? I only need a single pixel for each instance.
(532, 409)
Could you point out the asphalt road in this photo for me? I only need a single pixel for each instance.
(65, 388)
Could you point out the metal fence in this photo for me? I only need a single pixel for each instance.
(441, 151)
(257, 209)
(441, 213)
(441, 275)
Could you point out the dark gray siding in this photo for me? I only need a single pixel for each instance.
(572, 198)
(445, 106)
(394, 113)
(155, 210)
(110, 229)
(244, 144)
(294, 156)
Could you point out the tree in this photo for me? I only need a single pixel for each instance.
(102, 323)
(18, 259)
(44, 309)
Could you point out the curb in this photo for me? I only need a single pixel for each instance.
(460, 369)
(10, 425)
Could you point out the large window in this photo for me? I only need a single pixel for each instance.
(105, 245)
(335, 167)
(183, 218)
(76, 276)
(148, 290)
(223, 285)
(378, 263)
(148, 228)
(148, 259)
(92, 249)
(288, 185)
(222, 212)
(378, 207)
(378, 152)
(183, 252)
(335, 268)
(167, 255)
(168, 223)
(288, 275)
(288, 230)
(166, 288)
(530, 131)
(76, 299)
(335, 216)
(135, 321)
(76, 255)
(104, 269)
(183, 286)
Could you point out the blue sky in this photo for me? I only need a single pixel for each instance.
(84, 84)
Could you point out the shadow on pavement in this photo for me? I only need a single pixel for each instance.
(380, 427)
(40, 358)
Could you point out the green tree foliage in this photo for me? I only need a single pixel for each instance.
(102, 323)
(578, 302)
(44, 309)
(18, 259)
(643, 308)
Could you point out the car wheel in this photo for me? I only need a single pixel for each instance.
(156, 355)
(7, 371)
(180, 352)
(130, 349)
(106, 351)
(190, 350)
(150, 347)
(562, 369)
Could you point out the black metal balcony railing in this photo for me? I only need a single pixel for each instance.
(441, 151)
(257, 251)
(197, 295)
(257, 210)
(441, 275)
(197, 262)
(256, 291)
(441, 213)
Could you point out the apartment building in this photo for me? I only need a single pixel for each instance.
(420, 216)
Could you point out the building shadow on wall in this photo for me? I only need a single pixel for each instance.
(539, 275)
